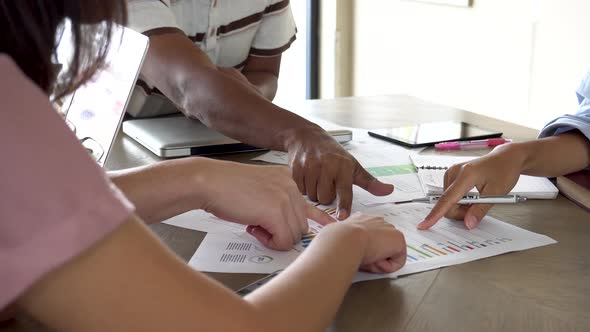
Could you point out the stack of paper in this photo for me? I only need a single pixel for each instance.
(431, 170)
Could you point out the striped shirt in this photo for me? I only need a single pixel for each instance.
(228, 31)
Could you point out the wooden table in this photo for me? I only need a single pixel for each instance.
(543, 289)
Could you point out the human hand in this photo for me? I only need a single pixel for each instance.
(324, 171)
(493, 174)
(263, 197)
(385, 246)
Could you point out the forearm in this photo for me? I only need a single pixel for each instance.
(164, 189)
(186, 76)
(130, 261)
(552, 156)
(226, 105)
(266, 83)
(327, 268)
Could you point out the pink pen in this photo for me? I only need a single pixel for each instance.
(484, 143)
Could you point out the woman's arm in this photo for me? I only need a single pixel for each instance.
(227, 190)
(130, 282)
(498, 172)
(554, 156)
(165, 189)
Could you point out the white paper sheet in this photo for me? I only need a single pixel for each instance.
(200, 220)
(406, 187)
(447, 243)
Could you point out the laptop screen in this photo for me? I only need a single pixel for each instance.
(95, 110)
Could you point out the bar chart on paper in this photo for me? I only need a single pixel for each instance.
(450, 242)
(449, 238)
(314, 229)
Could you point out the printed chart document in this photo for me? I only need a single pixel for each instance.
(239, 252)
(432, 168)
(447, 243)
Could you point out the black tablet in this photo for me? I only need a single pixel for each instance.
(428, 134)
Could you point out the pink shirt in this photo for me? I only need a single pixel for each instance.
(55, 201)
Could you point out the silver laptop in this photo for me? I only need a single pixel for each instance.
(95, 110)
(178, 136)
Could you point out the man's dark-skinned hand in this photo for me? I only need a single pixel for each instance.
(324, 171)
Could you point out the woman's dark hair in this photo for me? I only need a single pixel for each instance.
(30, 31)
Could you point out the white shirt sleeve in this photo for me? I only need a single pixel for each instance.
(276, 31)
(146, 15)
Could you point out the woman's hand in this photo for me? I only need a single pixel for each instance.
(493, 174)
(263, 197)
(384, 249)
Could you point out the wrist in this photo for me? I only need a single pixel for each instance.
(519, 153)
(351, 236)
(292, 137)
(199, 180)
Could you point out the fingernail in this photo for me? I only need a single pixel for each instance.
(421, 224)
(342, 213)
(471, 222)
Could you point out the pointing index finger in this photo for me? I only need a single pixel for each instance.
(455, 192)
(321, 217)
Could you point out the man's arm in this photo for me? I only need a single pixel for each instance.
(263, 73)
(186, 75)
(322, 169)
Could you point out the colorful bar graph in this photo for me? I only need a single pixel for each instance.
(433, 249)
(329, 210)
(454, 249)
(455, 244)
(419, 251)
(449, 251)
(306, 239)
(429, 251)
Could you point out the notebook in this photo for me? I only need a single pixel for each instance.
(576, 187)
(431, 170)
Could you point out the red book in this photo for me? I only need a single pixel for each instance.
(576, 187)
